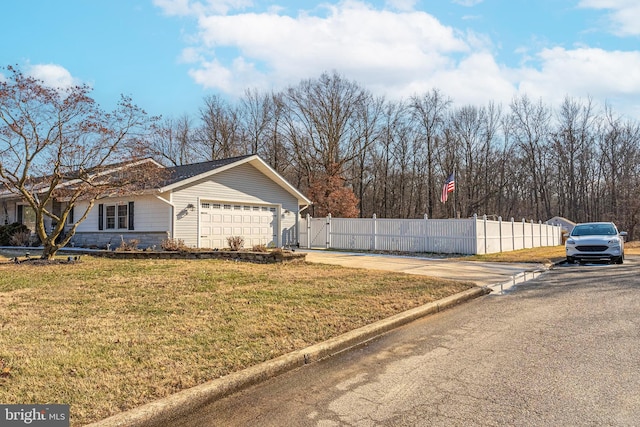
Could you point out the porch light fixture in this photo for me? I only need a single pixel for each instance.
(191, 207)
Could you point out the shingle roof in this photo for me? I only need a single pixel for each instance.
(179, 173)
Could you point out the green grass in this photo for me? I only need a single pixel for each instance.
(107, 335)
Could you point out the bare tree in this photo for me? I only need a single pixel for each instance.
(257, 113)
(323, 113)
(219, 136)
(533, 161)
(574, 144)
(57, 144)
(618, 143)
(531, 133)
(173, 141)
(367, 127)
(429, 112)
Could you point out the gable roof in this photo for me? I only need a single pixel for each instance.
(41, 184)
(178, 176)
(186, 174)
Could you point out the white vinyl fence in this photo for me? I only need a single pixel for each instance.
(467, 236)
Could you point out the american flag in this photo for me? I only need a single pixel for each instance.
(448, 187)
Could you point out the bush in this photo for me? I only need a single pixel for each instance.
(235, 242)
(8, 231)
(131, 245)
(173, 245)
(20, 238)
(259, 248)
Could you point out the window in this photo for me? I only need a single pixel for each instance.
(27, 217)
(110, 217)
(205, 205)
(216, 206)
(123, 216)
(115, 217)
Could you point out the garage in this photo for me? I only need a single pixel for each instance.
(257, 224)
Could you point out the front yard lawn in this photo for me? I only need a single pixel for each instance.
(106, 335)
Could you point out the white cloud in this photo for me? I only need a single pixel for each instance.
(402, 5)
(623, 16)
(351, 37)
(396, 52)
(52, 75)
(190, 7)
(586, 72)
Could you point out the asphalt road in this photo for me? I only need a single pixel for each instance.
(562, 349)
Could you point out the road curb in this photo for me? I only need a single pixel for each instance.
(161, 412)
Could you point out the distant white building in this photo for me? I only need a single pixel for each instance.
(566, 224)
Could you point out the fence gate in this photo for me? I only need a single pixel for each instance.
(317, 231)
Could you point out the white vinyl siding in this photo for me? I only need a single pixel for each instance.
(150, 214)
(233, 188)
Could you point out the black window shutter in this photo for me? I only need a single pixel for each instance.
(100, 216)
(130, 215)
(19, 219)
(70, 218)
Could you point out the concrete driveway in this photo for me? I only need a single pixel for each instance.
(481, 273)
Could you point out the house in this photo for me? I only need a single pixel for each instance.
(201, 204)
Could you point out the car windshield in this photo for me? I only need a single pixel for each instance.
(594, 230)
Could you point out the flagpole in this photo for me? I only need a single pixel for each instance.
(455, 194)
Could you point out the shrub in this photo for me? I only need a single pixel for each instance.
(235, 242)
(7, 232)
(131, 245)
(173, 245)
(259, 248)
(20, 238)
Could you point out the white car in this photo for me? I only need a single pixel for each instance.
(595, 241)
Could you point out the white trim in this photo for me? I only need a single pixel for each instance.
(172, 214)
(198, 223)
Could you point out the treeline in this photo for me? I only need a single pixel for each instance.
(355, 154)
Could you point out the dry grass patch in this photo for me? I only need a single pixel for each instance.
(632, 248)
(107, 335)
(545, 255)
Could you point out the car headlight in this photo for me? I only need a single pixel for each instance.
(571, 242)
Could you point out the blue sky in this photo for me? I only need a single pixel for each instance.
(169, 54)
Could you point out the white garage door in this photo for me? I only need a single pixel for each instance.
(255, 223)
